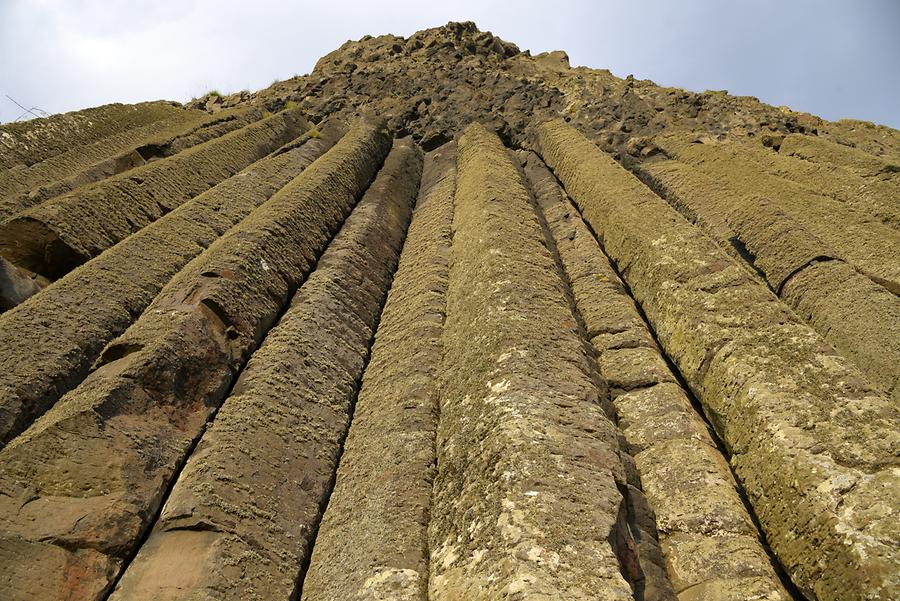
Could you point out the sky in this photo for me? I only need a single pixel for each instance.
(836, 59)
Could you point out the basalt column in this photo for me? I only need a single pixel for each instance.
(526, 500)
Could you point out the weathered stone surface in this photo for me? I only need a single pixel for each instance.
(847, 174)
(685, 480)
(813, 444)
(526, 501)
(647, 506)
(17, 285)
(22, 187)
(137, 415)
(48, 344)
(437, 81)
(248, 502)
(821, 150)
(860, 239)
(57, 235)
(29, 142)
(373, 541)
(701, 199)
(858, 317)
(571, 246)
(780, 246)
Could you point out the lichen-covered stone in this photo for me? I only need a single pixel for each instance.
(860, 318)
(47, 345)
(22, 187)
(526, 500)
(813, 444)
(373, 539)
(139, 412)
(686, 482)
(29, 142)
(54, 237)
(248, 502)
(860, 238)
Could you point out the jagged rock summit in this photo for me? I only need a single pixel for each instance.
(444, 320)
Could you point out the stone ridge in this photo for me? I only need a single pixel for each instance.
(444, 320)
(435, 82)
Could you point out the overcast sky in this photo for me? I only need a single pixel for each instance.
(828, 57)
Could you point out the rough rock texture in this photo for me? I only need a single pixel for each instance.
(17, 284)
(27, 143)
(49, 344)
(234, 527)
(708, 539)
(642, 342)
(22, 187)
(859, 317)
(857, 235)
(373, 538)
(814, 445)
(54, 237)
(144, 405)
(519, 412)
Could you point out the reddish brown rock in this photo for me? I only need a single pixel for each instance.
(48, 344)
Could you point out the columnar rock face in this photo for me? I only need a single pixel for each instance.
(155, 386)
(232, 511)
(638, 343)
(50, 343)
(814, 444)
(707, 536)
(519, 413)
(57, 235)
(373, 538)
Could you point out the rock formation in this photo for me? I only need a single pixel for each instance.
(444, 320)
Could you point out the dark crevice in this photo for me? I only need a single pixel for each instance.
(117, 351)
(26, 244)
(152, 152)
(436, 406)
(801, 268)
(748, 256)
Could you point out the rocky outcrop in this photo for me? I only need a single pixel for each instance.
(49, 344)
(710, 542)
(518, 412)
(639, 343)
(22, 187)
(811, 441)
(30, 142)
(153, 389)
(373, 538)
(232, 511)
(56, 236)
(857, 316)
